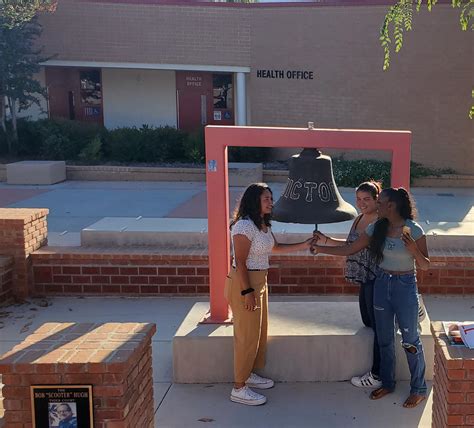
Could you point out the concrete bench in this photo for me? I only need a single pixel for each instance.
(307, 342)
(115, 358)
(36, 172)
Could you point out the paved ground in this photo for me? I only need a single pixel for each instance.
(75, 205)
(315, 404)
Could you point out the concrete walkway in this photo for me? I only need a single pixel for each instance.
(317, 404)
(75, 205)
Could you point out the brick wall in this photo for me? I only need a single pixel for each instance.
(453, 382)
(339, 44)
(6, 273)
(81, 270)
(22, 231)
(115, 358)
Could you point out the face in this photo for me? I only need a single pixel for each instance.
(383, 205)
(266, 202)
(366, 203)
(64, 412)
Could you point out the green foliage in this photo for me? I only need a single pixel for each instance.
(399, 18)
(248, 154)
(17, 12)
(350, 173)
(92, 152)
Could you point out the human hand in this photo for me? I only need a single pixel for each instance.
(314, 249)
(319, 236)
(250, 301)
(409, 242)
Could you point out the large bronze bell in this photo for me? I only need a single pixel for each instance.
(311, 195)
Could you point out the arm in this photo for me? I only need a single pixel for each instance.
(418, 249)
(241, 252)
(287, 248)
(344, 250)
(327, 240)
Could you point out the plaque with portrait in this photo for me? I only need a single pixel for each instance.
(62, 406)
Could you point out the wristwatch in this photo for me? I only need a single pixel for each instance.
(247, 291)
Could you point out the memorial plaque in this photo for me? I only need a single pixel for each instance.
(62, 406)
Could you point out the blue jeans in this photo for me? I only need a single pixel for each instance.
(396, 295)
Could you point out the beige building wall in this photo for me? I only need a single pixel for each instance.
(139, 97)
(427, 89)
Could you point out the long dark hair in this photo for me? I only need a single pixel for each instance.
(405, 208)
(372, 187)
(251, 207)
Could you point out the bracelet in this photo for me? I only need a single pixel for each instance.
(247, 291)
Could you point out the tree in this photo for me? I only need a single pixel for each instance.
(19, 58)
(399, 19)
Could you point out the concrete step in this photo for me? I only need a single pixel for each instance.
(308, 342)
(192, 232)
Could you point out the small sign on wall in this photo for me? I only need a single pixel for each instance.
(217, 115)
(62, 406)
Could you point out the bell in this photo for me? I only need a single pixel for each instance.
(311, 195)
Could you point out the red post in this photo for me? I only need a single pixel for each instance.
(219, 138)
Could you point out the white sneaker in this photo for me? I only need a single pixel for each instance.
(258, 382)
(246, 396)
(366, 381)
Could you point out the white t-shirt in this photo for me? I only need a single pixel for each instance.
(261, 243)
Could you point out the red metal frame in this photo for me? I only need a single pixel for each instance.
(219, 138)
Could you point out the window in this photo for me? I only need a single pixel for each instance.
(222, 91)
(91, 88)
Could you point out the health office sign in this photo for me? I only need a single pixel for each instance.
(285, 74)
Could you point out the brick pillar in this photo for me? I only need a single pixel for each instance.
(22, 231)
(453, 382)
(115, 358)
(6, 271)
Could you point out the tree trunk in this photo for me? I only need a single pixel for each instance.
(2, 114)
(12, 106)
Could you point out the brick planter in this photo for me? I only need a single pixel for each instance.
(22, 231)
(114, 358)
(6, 273)
(150, 271)
(453, 382)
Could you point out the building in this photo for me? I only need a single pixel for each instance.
(186, 64)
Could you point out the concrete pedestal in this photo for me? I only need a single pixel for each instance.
(36, 172)
(308, 342)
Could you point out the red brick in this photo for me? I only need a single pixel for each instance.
(138, 280)
(158, 280)
(74, 270)
(128, 271)
(120, 280)
(455, 420)
(90, 270)
(166, 271)
(109, 270)
(454, 398)
(186, 271)
(147, 271)
(168, 289)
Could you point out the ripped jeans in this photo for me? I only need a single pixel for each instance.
(396, 295)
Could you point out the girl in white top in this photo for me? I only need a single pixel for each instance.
(246, 289)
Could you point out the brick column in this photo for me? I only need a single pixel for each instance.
(115, 358)
(6, 270)
(22, 231)
(453, 382)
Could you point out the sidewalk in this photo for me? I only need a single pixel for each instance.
(75, 205)
(299, 405)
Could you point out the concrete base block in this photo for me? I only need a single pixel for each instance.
(241, 174)
(36, 172)
(308, 342)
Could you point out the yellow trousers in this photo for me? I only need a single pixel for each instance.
(250, 327)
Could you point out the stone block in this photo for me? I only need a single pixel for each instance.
(36, 172)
